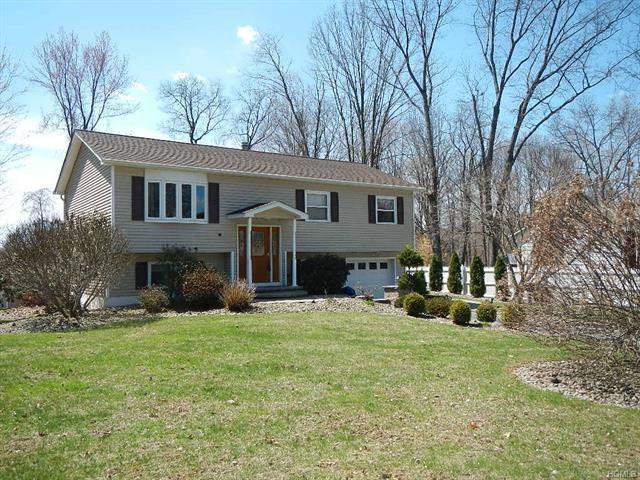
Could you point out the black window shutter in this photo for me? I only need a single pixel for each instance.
(300, 202)
(137, 198)
(141, 275)
(214, 202)
(372, 209)
(400, 210)
(335, 207)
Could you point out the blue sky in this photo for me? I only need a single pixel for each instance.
(161, 39)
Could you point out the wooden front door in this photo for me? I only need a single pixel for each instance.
(265, 253)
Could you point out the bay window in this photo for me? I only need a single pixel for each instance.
(168, 201)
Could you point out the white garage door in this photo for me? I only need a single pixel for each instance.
(371, 274)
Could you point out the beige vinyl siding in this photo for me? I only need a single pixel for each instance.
(89, 187)
(352, 233)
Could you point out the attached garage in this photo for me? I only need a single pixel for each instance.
(371, 274)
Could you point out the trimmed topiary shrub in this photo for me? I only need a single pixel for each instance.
(476, 278)
(438, 306)
(409, 257)
(202, 288)
(460, 312)
(414, 304)
(322, 274)
(399, 302)
(413, 282)
(499, 269)
(513, 314)
(153, 299)
(486, 312)
(454, 282)
(238, 296)
(435, 274)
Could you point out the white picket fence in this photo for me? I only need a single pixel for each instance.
(489, 279)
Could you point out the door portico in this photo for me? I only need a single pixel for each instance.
(256, 242)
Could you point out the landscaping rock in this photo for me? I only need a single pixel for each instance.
(580, 380)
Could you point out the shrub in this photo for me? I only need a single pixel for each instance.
(202, 288)
(513, 314)
(320, 274)
(476, 280)
(454, 282)
(438, 306)
(414, 304)
(409, 257)
(31, 299)
(435, 274)
(399, 302)
(67, 263)
(499, 269)
(486, 312)
(413, 282)
(503, 291)
(153, 299)
(176, 262)
(238, 296)
(460, 312)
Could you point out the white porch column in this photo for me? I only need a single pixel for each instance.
(232, 265)
(294, 270)
(248, 262)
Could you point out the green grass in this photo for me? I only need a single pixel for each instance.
(295, 396)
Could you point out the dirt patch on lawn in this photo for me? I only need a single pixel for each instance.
(584, 380)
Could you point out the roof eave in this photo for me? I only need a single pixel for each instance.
(69, 161)
(126, 163)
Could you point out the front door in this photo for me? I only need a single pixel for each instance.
(265, 253)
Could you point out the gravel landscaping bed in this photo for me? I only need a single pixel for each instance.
(28, 319)
(581, 380)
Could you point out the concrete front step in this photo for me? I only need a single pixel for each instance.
(263, 293)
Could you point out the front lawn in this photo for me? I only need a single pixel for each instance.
(298, 395)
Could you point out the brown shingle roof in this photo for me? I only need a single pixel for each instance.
(138, 150)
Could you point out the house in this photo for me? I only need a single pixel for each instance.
(206, 198)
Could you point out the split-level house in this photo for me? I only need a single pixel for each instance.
(206, 198)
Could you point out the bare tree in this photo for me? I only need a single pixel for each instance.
(357, 62)
(87, 82)
(195, 106)
(39, 205)
(540, 56)
(304, 118)
(414, 28)
(66, 263)
(10, 112)
(254, 122)
(606, 143)
(586, 270)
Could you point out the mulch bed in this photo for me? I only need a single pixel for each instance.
(584, 380)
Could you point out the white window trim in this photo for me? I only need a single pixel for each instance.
(178, 218)
(395, 210)
(306, 205)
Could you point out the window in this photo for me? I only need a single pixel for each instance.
(170, 200)
(362, 266)
(317, 205)
(373, 266)
(176, 202)
(351, 266)
(153, 199)
(386, 209)
(157, 274)
(200, 208)
(186, 201)
(384, 265)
